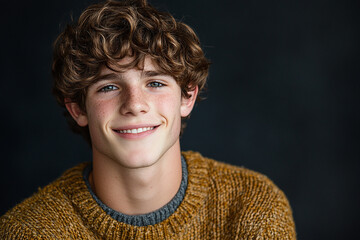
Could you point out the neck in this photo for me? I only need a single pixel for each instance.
(135, 191)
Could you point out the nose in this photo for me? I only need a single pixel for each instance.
(133, 101)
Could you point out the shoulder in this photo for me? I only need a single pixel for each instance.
(242, 179)
(257, 206)
(43, 210)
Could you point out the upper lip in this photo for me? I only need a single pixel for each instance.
(128, 127)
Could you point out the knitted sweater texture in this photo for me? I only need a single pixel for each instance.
(221, 202)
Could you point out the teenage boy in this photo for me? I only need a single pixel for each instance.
(128, 75)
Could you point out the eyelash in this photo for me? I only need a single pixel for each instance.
(106, 88)
(109, 88)
(158, 84)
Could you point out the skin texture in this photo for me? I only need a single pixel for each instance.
(135, 173)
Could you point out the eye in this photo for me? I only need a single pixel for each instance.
(108, 88)
(155, 84)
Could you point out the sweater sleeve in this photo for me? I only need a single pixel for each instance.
(10, 228)
(270, 218)
(278, 223)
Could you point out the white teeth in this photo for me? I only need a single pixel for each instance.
(136, 130)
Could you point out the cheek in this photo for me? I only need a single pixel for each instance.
(169, 108)
(169, 105)
(100, 111)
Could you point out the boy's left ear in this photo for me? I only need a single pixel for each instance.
(187, 104)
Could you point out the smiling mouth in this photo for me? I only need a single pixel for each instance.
(135, 130)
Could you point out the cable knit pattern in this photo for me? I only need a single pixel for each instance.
(221, 202)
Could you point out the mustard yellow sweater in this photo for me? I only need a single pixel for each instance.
(221, 202)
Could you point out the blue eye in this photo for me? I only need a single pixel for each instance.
(108, 88)
(155, 84)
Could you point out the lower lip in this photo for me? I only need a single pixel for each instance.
(136, 135)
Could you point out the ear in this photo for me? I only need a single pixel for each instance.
(77, 114)
(187, 104)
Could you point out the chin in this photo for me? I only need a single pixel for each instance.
(138, 160)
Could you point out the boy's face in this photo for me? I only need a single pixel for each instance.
(134, 117)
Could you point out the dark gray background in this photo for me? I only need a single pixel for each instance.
(282, 100)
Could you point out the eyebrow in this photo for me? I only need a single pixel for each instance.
(154, 74)
(110, 76)
(119, 76)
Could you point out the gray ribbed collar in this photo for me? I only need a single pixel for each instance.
(149, 218)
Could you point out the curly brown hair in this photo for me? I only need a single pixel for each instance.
(106, 33)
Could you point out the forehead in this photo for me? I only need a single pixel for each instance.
(145, 65)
